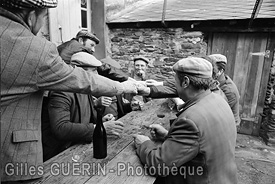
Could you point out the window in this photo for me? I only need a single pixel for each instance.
(86, 14)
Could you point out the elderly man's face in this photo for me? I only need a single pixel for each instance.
(181, 87)
(140, 67)
(89, 44)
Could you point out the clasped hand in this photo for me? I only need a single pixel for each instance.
(157, 132)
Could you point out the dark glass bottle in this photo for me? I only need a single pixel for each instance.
(100, 137)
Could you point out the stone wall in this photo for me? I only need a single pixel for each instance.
(163, 47)
(267, 131)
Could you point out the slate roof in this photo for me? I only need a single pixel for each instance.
(190, 10)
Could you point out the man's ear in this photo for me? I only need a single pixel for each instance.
(186, 81)
(80, 40)
(31, 19)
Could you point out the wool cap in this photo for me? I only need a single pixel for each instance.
(218, 58)
(28, 4)
(194, 66)
(84, 59)
(112, 62)
(141, 58)
(87, 34)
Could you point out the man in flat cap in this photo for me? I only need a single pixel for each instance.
(139, 74)
(30, 65)
(72, 116)
(200, 144)
(226, 84)
(86, 41)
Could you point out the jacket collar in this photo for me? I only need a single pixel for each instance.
(193, 101)
(13, 17)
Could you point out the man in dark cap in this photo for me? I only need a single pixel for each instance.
(86, 42)
(200, 144)
(29, 65)
(226, 84)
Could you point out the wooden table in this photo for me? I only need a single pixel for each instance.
(121, 166)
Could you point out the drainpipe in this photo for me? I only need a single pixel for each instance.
(164, 13)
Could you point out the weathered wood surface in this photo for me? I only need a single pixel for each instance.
(62, 169)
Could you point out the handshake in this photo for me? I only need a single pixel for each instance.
(136, 87)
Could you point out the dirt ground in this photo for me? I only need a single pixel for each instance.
(255, 161)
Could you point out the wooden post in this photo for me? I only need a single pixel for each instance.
(99, 27)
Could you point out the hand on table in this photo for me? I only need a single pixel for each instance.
(158, 132)
(113, 127)
(139, 139)
(108, 117)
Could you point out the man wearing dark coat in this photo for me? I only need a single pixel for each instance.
(199, 147)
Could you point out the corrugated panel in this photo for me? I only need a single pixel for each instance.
(197, 10)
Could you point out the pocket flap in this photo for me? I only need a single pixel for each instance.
(25, 135)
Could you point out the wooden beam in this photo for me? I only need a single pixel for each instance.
(255, 11)
(164, 13)
(99, 27)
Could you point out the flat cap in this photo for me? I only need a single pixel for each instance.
(141, 58)
(84, 59)
(87, 34)
(194, 66)
(217, 58)
(110, 61)
(28, 4)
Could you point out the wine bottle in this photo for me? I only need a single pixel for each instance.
(100, 137)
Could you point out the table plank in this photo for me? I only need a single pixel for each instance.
(124, 168)
(88, 166)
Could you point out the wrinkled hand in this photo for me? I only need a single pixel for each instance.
(139, 139)
(136, 105)
(143, 90)
(103, 101)
(108, 117)
(129, 87)
(152, 82)
(113, 127)
(158, 132)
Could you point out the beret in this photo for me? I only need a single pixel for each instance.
(194, 66)
(87, 34)
(28, 4)
(82, 59)
(141, 58)
(112, 62)
(218, 58)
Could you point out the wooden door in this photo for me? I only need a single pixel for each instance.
(249, 62)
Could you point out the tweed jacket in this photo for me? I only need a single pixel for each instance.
(29, 65)
(71, 118)
(232, 94)
(200, 144)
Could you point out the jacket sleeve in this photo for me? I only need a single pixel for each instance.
(59, 114)
(168, 90)
(53, 74)
(110, 72)
(180, 146)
